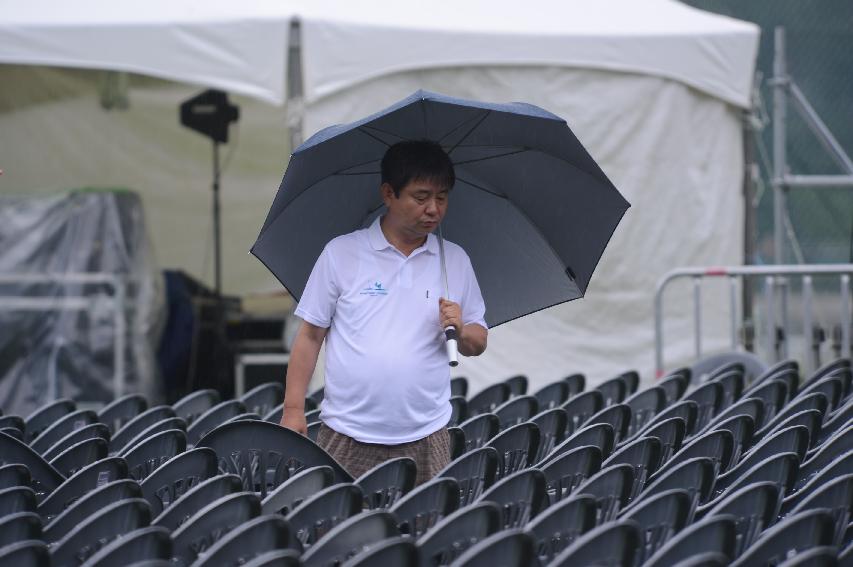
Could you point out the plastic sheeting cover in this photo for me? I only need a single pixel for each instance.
(57, 333)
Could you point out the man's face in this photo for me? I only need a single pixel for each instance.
(419, 208)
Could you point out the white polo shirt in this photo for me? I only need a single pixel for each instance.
(387, 377)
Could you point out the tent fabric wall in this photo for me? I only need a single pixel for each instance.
(673, 152)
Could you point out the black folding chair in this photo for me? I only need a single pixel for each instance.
(479, 430)
(475, 471)
(742, 428)
(118, 412)
(517, 385)
(774, 395)
(177, 476)
(611, 545)
(89, 505)
(686, 410)
(17, 499)
(30, 552)
(717, 445)
(387, 482)
(351, 538)
(708, 398)
(143, 545)
(660, 517)
(711, 535)
(674, 387)
(753, 407)
(457, 441)
(670, 433)
(836, 497)
(823, 455)
(512, 548)
(488, 399)
(264, 454)
(79, 456)
(399, 551)
(44, 478)
(45, 416)
(453, 535)
(159, 427)
(552, 430)
(613, 391)
(696, 476)
(840, 466)
(459, 410)
(568, 471)
(516, 410)
(84, 481)
(791, 536)
(617, 416)
(13, 475)
(94, 430)
(516, 448)
(196, 498)
(292, 492)
(556, 527)
(261, 399)
(459, 386)
(754, 507)
(148, 456)
(137, 425)
(193, 405)
(611, 488)
(520, 495)
(644, 405)
(211, 523)
(835, 422)
(20, 526)
(643, 455)
(827, 556)
(794, 439)
(781, 469)
(422, 508)
(732, 383)
(215, 416)
(113, 521)
(812, 402)
(248, 541)
(576, 382)
(598, 435)
(581, 407)
(318, 514)
(552, 395)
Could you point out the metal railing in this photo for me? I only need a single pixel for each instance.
(82, 302)
(775, 278)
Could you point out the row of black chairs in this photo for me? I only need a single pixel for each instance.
(610, 470)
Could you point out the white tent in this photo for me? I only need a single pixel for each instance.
(653, 88)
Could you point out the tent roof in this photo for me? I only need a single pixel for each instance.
(241, 46)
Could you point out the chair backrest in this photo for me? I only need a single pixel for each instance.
(28, 552)
(598, 435)
(732, 383)
(320, 513)
(199, 496)
(616, 415)
(261, 399)
(84, 481)
(815, 401)
(613, 390)
(552, 395)
(696, 476)
(15, 474)
(479, 430)
(211, 523)
(660, 517)
(87, 506)
(774, 395)
(148, 456)
(264, 454)
(581, 407)
(835, 422)
(350, 538)
(780, 468)
(753, 407)
(94, 532)
(568, 471)
(794, 439)
(837, 497)
(459, 386)
(517, 410)
(12, 422)
(19, 526)
(45, 416)
(685, 409)
(387, 482)
(488, 399)
(459, 410)
(670, 433)
(121, 410)
(831, 386)
(457, 532)
(90, 431)
(392, 551)
(742, 427)
(215, 416)
(788, 365)
(552, 430)
(711, 535)
(475, 471)
(611, 488)
(723, 369)
(137, 425)
(792, 535)
(292, 492)
(426, 505)
(177, 476)
(457, 441)
(823, 556)
(520, 495)
(842, 465)
(717, 445)
(708, 398)
(643, 455)
(512, 547)
(611, 545)
(576, 382)
(561, 524)
(754, 507)
(810, 419)
(245, 542)
(644, 405)
(516, 448)
(44, 477)
(824, 454)
(193, 405)
(145, 544)
(79, 456)
(154, 429)
(517, 385)
(674, 387)
(17, 499)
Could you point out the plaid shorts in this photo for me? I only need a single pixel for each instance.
(431, 454)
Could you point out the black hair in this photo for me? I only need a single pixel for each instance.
(417, 160)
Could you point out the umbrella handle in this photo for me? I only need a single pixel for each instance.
(452, 356)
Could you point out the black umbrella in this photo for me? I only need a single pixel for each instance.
(530, 206)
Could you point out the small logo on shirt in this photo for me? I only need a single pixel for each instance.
(374, 288)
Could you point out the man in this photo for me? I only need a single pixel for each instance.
(375, 297)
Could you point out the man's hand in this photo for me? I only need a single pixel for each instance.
(450, 314)
(294, 419)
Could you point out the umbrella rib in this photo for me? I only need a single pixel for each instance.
(471, 131)
(457, 127)
(514, 152)
(364, 131)
(375, 129)
(481, 188)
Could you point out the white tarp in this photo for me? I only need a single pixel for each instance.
(653, 99)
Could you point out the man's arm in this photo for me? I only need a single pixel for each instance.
(471, 338)
(303, 359)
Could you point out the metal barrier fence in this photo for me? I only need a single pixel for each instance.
(80, 302)
(775, 281)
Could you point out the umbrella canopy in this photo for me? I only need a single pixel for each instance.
(530, 206)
